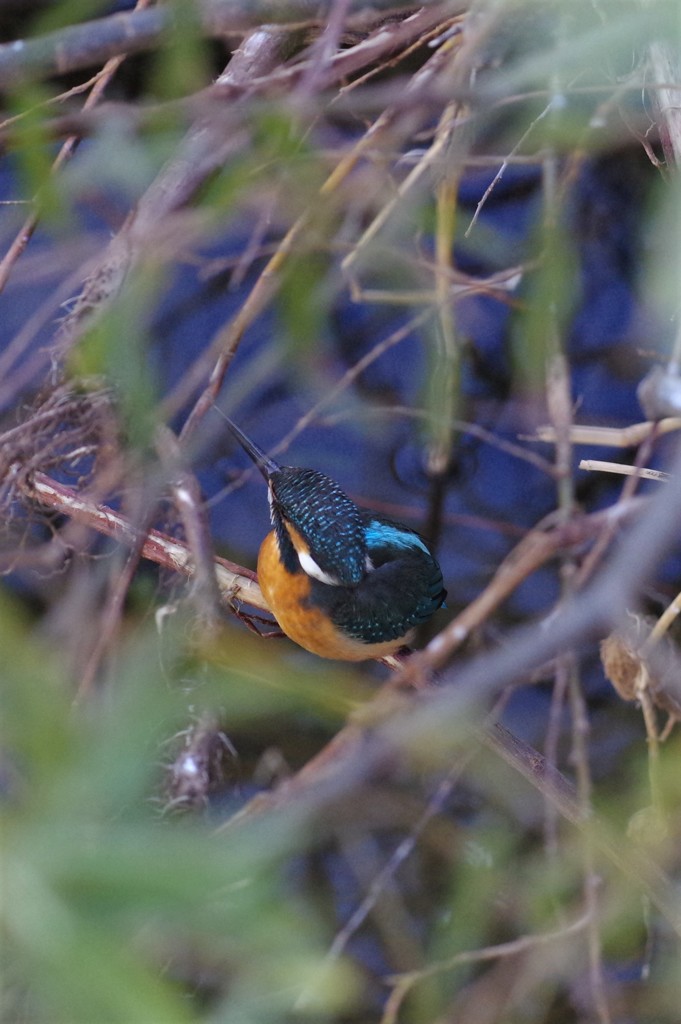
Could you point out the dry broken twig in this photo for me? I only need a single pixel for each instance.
(613, 437)
(598, 466)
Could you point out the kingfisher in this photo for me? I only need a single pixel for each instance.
(341, 581)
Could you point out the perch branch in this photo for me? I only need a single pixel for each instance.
(235, 583)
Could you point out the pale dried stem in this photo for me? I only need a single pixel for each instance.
(594, 557)
(664, 622)
(598, 466)
(613, 437)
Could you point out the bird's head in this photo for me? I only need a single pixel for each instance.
(318, 527)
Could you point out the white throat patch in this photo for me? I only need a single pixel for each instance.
(309, 566)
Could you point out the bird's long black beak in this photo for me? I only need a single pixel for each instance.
(265, 464)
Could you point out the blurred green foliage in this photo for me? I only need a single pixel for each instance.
(109, 906)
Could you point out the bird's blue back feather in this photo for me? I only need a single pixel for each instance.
(379, 533)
